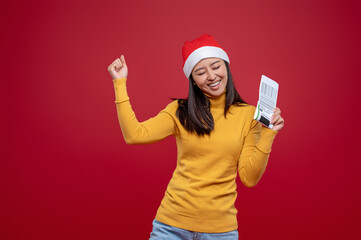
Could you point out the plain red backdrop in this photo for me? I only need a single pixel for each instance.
(66, 172)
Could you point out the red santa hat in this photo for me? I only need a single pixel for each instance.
(198, 49)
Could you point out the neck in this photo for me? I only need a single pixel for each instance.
(217, 102)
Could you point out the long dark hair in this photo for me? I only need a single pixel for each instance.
(194, 112)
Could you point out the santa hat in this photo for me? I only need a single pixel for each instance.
(198, 49)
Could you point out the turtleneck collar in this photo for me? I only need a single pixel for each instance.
(217, 102)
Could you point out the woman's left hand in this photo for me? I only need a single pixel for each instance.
(276, 119)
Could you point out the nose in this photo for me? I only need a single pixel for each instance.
(211, 75)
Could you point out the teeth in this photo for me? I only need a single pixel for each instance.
(214, 84)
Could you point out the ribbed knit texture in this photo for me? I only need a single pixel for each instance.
(201, 194)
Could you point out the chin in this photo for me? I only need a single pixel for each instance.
(215, 94)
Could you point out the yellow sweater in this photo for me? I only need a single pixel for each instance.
(201, 194)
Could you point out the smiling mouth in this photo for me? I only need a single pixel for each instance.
(215, 84)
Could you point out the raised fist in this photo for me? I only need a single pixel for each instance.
(118, 68)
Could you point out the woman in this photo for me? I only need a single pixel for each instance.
(216, 138)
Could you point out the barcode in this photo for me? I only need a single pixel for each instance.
(268, 91)
(267, 101)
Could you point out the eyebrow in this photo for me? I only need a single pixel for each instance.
(211, 65)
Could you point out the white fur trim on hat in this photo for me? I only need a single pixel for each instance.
(201, 53)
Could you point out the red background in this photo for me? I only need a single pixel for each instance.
(66, 172)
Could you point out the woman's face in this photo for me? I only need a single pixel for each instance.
(210, 75)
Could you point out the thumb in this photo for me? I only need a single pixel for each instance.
(122, 60)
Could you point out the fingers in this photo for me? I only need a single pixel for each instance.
(114, 65)
(118, 68)
(276, 115)
(111, 66)
(276, 119)
(277, 111)
(117, 64)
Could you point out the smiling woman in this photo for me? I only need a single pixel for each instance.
(216, 139)
(210, 75)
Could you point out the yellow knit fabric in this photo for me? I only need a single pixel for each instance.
(201, 194)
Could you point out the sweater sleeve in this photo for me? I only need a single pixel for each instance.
(254, 156)
(134, 132)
